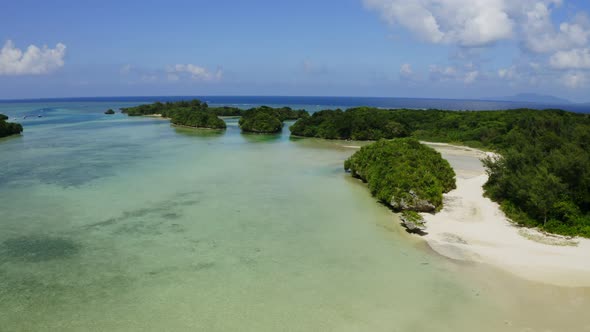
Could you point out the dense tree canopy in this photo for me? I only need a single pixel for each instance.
(9, 128)
(195, 113)
(266, 119)
(197, 119)
(355, 123)
(226, 111)
(542, 178)
(261, 120)
(192, 113)
(403, 173)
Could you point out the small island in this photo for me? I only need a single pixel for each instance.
(9, 128)
(403, 174)
(194, 113)
(268, 120)
(109, 111)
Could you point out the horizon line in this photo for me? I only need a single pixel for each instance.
(492, 99)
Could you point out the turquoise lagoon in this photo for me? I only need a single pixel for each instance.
(110, 223)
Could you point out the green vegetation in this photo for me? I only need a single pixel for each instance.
(109, 111)
(164, 109)
(192, 113)
(543, 177)
(261, 120)
(197, 119)
(195, 113)
(403, 174)
(355, 123)
(9, 128)
(266, 119)
(413, 221)
(226, 111)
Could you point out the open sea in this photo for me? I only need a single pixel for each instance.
(113, 223)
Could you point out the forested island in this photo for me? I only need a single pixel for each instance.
(267, 120)
(195, 113)
(9, 128)
(542, 178)
(403, 174)
(197, 119)
(192, 113)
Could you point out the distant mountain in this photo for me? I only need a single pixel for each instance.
(533, 98)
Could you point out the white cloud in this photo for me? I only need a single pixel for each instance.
(464, 22)
(475, 23)
(195, 72)
(574, 79)
(450, 73)
(572, 59)
(126, 69)
(540, 35)
(470, 76)
(33, 61)
(508, 73)
(406, 71)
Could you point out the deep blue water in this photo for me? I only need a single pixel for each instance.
(331, 102)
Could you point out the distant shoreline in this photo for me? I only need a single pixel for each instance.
(478, 104)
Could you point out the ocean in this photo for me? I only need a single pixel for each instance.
(113, 223)
(315, 103)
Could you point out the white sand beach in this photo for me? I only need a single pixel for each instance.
(471, 227)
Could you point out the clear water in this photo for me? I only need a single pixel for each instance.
(111, 223)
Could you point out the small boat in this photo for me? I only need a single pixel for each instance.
(39, 116)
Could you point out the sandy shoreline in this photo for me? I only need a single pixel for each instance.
(471, 227)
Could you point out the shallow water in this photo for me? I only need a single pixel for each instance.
(111, 223)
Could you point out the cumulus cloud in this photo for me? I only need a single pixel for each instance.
(33, 61)
(540, 35)
(126, 69)
(554, 42)
(508, 73)
(476, 23)
(195, 72)
(574, 79)
(405, 71)
(572, 59)
(464, 22)
(450, 73)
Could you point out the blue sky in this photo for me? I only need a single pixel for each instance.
(397, 48)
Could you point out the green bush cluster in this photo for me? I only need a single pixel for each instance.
(197, 119)
(395, 168)
(261, 120)
(543, 176)
(192, 113)
(9, 128)
(266, 119)
(195, 113)
(361, 123)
